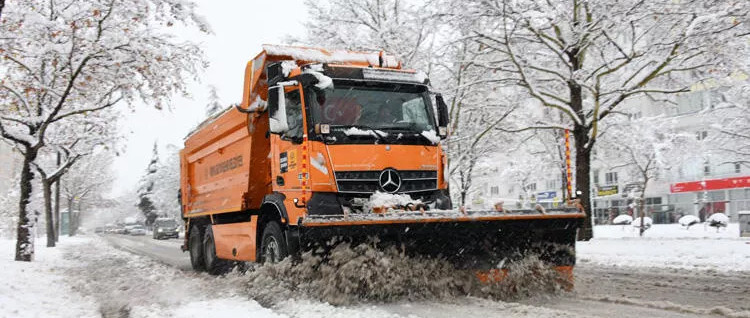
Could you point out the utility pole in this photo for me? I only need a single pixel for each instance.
(57, 202)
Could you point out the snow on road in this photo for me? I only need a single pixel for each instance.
(668, 246)
(619, 275)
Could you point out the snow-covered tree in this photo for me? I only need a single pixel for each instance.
(61, 60)
(403, 28)
(167, 184)
(86, 183)
(214, 103)
(731, 113)
(585, 59)
(146, 188)
(158, 188)
(646, 147)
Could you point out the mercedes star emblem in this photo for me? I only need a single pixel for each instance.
(390, 181)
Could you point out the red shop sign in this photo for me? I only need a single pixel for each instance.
(714, 184)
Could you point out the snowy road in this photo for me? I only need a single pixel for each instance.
(601, 291)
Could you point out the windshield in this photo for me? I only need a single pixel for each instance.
(169, 223)
(383, 107)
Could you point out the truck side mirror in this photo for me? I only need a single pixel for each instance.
(274, 73)
(277, 110)
(443, 117)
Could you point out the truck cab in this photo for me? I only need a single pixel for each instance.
(342, 133)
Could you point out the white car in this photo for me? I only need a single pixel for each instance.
(137, 230)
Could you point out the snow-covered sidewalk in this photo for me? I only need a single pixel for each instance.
(84, 277)
(668, 246)
(38, 288)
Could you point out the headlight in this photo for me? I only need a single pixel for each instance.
(160, 230)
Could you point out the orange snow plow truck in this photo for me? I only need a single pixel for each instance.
(331, 146)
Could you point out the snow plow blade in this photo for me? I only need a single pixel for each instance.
(479, 240)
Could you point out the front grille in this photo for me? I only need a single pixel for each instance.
(368, 181)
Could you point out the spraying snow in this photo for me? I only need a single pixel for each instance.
(353, 274)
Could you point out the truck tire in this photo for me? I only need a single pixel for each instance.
(273, 249)
(214, 265)
(195, 246)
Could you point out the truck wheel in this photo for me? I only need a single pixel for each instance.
(214, 265)
(273, 249)
(195, 245)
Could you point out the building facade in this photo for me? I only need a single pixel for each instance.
(10, 162)
(702, 183)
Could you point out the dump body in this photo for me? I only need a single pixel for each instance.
(319, 139)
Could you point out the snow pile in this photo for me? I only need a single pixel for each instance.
(647, 222)
(668, 246)
(287, 67)
(326, 56)
(354, 131)
(382, 200)
(323, 81)
(688, 220)
(353, 274)
(225, 307)
(622, 219)
(718, 220)
(38, 288)
(432, 136)
(670, 306)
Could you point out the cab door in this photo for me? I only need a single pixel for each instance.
(289, 149)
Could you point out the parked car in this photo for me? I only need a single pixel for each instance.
(166, 228)
(137, 230)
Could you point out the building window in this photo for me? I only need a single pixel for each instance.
(531, 187)
(610, 178)
(596, 177)
(701, 135)
(737, 167)
(653, 201)
(690, 103)
(552, 184)
(706, 168)
(495, 190)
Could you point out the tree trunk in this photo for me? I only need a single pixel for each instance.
(57, 204)
(583, 146)
(583, 181)
(24, 239)
(642, 204)
(49, 223)
(463, 198)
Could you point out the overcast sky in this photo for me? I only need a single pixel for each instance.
(240, 27)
